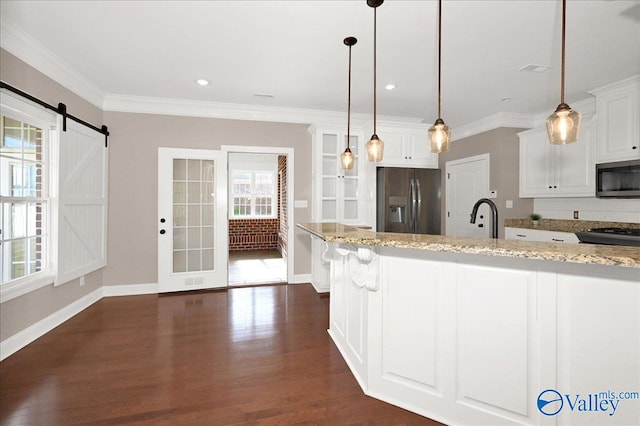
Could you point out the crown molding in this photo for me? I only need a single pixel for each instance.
(25, 48)
(231, 111)
(618, 85)
(494, 121)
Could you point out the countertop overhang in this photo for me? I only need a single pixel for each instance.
(593, 254)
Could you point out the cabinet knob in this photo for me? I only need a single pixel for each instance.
(634, 147)
(549, 186)
(554, 186)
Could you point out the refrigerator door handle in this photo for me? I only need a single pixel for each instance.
(412, 194)
(418, 204)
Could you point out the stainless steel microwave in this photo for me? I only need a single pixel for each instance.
(618, 180)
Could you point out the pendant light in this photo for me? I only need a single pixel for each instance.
(439, 133)
(564, 124)
(347, 156)
(375, 146)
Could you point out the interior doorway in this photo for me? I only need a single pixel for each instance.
(260, 247)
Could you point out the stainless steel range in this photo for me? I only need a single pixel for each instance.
(611, 236)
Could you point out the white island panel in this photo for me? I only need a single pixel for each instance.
(495, 336)
(598, 346)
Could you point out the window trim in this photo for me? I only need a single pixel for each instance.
(25, 111)
(253, 216)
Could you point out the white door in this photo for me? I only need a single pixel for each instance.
(467, 181)
(192, 219)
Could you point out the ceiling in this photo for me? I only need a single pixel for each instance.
(293, 51)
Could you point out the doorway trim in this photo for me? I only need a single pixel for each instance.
(289, 153)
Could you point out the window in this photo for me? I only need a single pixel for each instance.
(253, 195)
(24, 199)
(46, 236)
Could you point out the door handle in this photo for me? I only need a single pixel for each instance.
(419, 203)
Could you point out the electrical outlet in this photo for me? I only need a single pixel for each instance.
(576, 214)
(82, 280)
(509, 204)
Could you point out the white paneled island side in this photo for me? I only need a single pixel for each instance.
(483, 331)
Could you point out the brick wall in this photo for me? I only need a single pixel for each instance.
(253, 234)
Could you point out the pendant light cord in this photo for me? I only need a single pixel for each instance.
(374, 71)
(564, 10)
(439, 55)
(349, 103)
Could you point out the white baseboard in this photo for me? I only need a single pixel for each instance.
(19, 340)
(320, 289)
(130, 289)
(301, 279)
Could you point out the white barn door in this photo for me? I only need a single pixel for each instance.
(80, 159)
(192, 219)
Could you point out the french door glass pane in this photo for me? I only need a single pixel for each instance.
(193, 215)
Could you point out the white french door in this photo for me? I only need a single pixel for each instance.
(192, 219)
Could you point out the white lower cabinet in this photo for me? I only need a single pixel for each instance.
(540, 235)
(479, 341)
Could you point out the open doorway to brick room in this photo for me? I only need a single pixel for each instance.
(258, 220)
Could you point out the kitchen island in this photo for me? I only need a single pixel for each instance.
(484, 331)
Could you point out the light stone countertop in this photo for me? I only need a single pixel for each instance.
(572, 226)
(594, 254)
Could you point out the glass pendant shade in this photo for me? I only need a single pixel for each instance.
(439, 136)
(563, 125)
(347, 159)
(375, 149)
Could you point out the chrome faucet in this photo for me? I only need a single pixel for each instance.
(494, 215)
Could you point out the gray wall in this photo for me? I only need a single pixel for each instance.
(133, 162)
(504, 149)
(24, 311)
(133, 187)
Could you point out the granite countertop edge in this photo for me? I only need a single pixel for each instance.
(558, 252)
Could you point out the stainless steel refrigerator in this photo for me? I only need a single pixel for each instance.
(408, 200)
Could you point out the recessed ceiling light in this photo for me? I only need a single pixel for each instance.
(390, 86)
(535, 68)
(202, 82)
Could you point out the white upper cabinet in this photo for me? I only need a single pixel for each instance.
(337, 193)
(557, 170)
(618, 109)
(406, 146)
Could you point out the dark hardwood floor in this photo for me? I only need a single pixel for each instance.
(254, 355)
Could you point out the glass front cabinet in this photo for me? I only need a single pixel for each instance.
(337, 193)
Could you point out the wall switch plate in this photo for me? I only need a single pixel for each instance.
(300, 204)
(509, 204)
(493, 194)
(576, 214)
